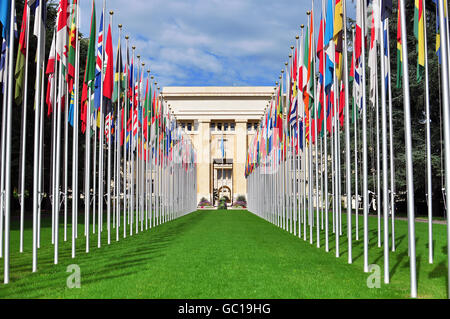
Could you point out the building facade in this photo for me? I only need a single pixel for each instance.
(221, 122)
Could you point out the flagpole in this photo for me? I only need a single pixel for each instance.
(131, 150)
(2, 173)
(41, 151)
(384, 158)
(8, 147)
(102, 134)
(347, 138)
(75, 138)
(37, 124)
(120, 128)
(24, 128)
(87, 201)
(125, 129)
(428, 137)
(364, 132)
(446, 108)
(408, 145)
(391, 142)
(325, 146)
(66, 150)
(109, 136)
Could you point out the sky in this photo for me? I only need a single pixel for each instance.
(208, 42)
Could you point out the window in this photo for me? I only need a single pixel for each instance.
(249, 127)
(232, 127)
(183, 125)
(189, 127)
(225, 127)
(219, 126)
(212, 127)
(255, 126)
(195, 126)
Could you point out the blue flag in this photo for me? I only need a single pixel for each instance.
(5, 12)
(99, 66)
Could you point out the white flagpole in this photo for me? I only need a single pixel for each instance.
(24, 131)
(428, 130)
(87, 201)
(446, 108)
(41, 151)
(102, 134)
(391, 142)
(365, 191)
(108, 177)
(408, 145)
(125, 162)
(8, 146)
(385, 194)
(75, 138)
(3, 146)
(347, 138)
(37, 124)
(3, 173)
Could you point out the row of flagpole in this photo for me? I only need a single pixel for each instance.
(150, 173)
(294, 165)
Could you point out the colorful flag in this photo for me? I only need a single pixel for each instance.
(99, 66)
(399, 49)
(21, 53)
(119, 75)
(419, 35)
(89, 73)
(108, 83)
(373, 54)
(5, 13)
(61, 34)
(329, 47)
(49, 99)
(72, 47)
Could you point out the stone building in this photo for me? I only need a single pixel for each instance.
(221, 122)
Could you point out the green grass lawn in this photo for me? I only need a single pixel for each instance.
(221, 254)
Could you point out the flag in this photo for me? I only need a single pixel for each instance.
(39, 9)
(61, 34)
(3, 63)
(419, 35)
(119, 76)
(89, 73)
(51, 77)
(21, 53)
(99, 66)
(72, 47)
(399, 49)
(329, 46)
(438, 32)
(358, 32)
(5, 13)
(386, 9)
(373, 54)
(337, 36)
(71, 107)
(108, 83)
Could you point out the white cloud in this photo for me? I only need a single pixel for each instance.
(208, 42)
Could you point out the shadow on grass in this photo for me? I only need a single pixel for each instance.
(118, 260)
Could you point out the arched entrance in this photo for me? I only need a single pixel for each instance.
(225, 191)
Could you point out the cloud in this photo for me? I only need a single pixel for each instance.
(208, 42)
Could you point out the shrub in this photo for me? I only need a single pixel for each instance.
(204, 203)
(223, 203)
(241, 198)
(240, 204)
